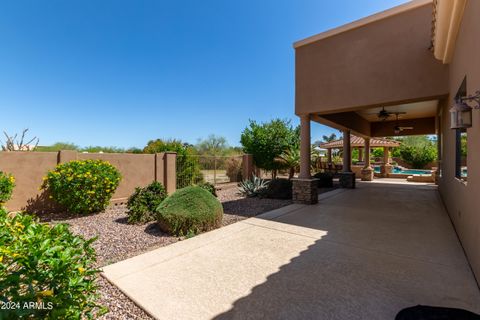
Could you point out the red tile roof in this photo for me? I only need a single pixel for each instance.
(360, 142)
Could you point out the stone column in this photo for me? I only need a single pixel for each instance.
(347, 177)
(305, 152)
(347, 152)
(386, 167)
(367, 171)
(304, 188)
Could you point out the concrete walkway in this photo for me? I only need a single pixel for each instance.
(358, 254)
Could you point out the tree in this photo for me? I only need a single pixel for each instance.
(188, 167)
(418, 151)
(267, 141)
(213, 146)
(290, 159)
(57, 147)
(330, 138)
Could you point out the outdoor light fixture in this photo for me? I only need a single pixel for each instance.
(461, 112)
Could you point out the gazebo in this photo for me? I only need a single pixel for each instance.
(361, 145)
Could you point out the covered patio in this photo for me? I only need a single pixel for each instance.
(363, 81)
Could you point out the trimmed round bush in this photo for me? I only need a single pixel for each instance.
(47, 265)
(279, 189)
(189, 211)
(142, 203)
(7, 183)
(83, 186)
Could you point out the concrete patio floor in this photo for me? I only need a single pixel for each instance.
(358, 254)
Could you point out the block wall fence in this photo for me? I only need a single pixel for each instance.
(29, 168)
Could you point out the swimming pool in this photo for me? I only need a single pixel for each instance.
(401, 170)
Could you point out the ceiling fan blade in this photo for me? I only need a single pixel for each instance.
(406, 128)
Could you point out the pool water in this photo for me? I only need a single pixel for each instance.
(401, 170)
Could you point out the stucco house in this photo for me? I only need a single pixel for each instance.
(413, 69)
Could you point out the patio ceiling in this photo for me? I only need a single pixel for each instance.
(423, 109)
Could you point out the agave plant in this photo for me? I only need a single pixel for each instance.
(252, 187)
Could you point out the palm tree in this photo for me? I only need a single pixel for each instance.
(290, 158)
(329, 138)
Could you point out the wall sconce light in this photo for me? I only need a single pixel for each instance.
(461, 112)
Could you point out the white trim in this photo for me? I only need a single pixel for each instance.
(364, 21)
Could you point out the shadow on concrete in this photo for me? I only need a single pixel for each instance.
(335, 280)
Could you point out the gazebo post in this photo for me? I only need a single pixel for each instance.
(386, 167)
(367, 171)
(347, 177)
(304, 188)
(360, 154)
(329, 154)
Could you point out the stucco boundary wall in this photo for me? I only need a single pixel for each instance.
(29, 168)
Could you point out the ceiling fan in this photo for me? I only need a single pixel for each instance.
(398, 129)
(384, 114)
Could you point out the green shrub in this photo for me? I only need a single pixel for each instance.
(84, 186)
(279, 189)
(7, 183)
(188, 211)
(209, 187)
(252, 187)
(143, 202)
(46, 265)
(325, 179)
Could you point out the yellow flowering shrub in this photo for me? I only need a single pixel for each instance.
(82, 186)
(46, 272)
(7, 183)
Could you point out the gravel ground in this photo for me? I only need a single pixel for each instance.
(118, 240)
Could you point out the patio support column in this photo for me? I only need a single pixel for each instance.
(360, 154)
(347, 177)
(367, 171)
(304, 188)
(305, 151)
(329, 155)
(347, 152)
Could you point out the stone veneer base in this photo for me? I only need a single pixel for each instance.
(305, 191)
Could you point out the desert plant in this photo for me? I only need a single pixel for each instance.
(189, 211)
(46, 265)
(82, 186)
(278, 189)
(234, 169)
(13, 143)
(252, 187)
(325, 179)
(209, 187)
(143, 202)
(7, 183)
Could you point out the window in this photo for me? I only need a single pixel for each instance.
(461, 139)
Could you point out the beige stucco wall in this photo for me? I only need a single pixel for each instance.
(384, 62)
(462, 200)
(29, 168)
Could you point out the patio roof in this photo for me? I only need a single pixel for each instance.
(360, 142)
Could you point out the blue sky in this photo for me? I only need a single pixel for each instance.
(119, 73)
